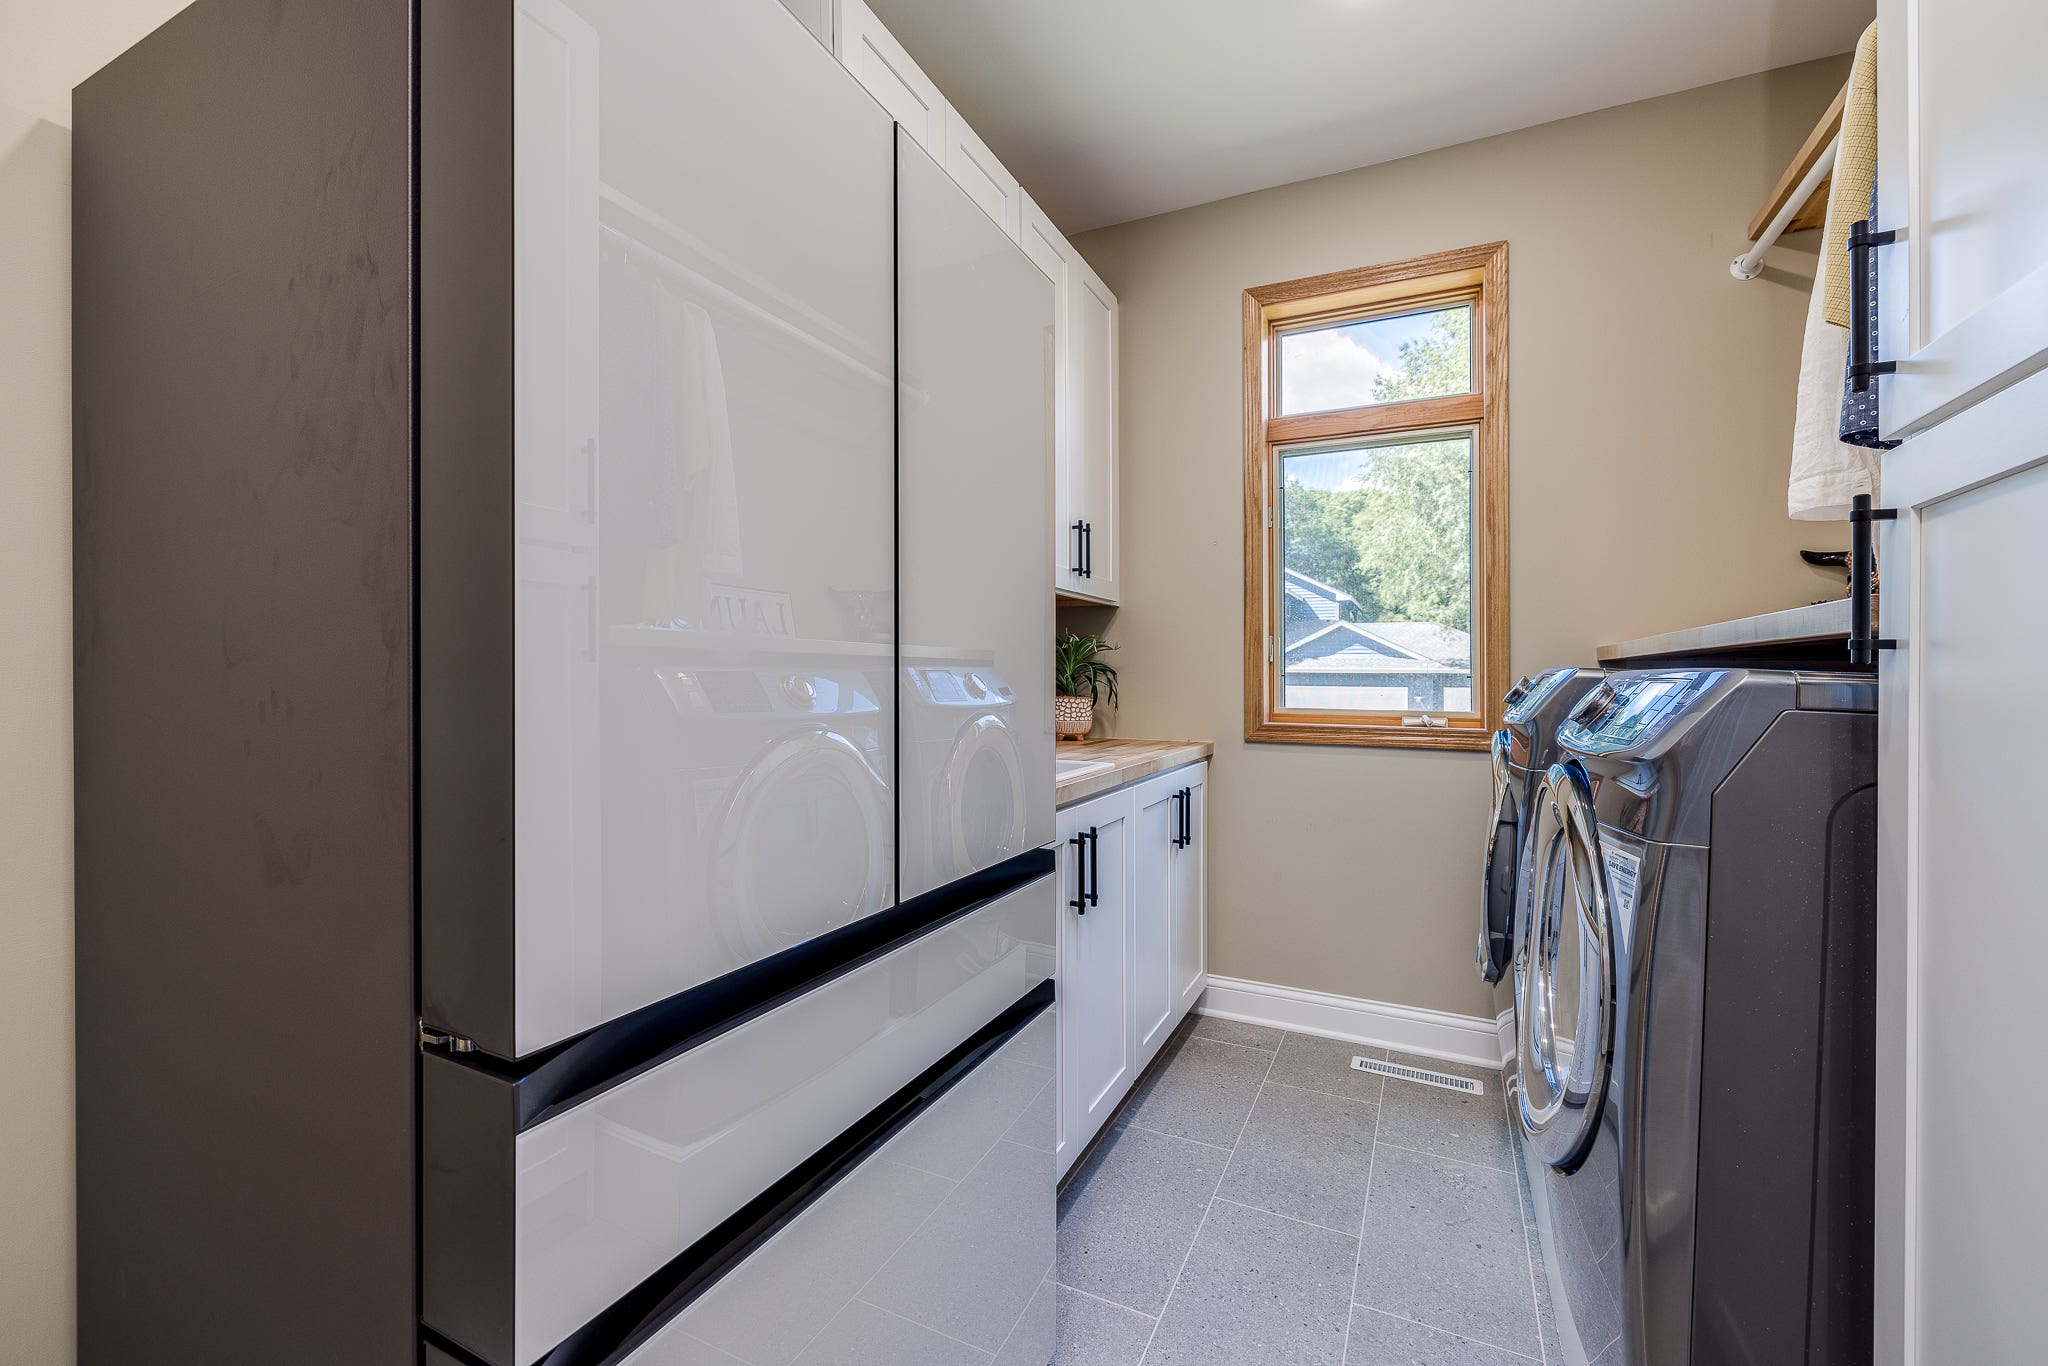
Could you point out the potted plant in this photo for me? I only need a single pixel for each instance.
(1080, 678)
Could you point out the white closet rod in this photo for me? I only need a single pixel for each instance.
(1750, 264)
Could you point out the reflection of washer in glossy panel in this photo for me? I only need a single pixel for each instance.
(751, 812)
(1696, 1108)
(969, 810)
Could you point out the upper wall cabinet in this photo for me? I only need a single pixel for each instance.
(1964, 290)
(879, 62)
(821, 17)
(1086, 551)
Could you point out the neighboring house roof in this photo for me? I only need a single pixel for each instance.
(1347, 647)
(1444, 644)
(1327, 603)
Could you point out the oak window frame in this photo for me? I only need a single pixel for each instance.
(1478, 274)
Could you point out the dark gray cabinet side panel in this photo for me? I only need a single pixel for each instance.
(466, 520)
(469, 1231)
(243, 702)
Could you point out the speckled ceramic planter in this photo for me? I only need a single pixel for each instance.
(1073, 716)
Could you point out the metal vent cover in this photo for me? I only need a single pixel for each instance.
(1418, 1074)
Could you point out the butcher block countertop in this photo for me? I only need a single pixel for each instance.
(1127, 760)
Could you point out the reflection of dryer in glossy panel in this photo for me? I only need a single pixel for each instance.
(748, 809)
(970, 806)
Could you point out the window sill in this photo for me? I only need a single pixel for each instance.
(1466, 737)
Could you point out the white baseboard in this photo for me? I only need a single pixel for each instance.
(1407, 1029)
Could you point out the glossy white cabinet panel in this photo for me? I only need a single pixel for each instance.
(901, 1259)
(879, 63)
(975, 169)
(1097, 1059)
(704, 481)
(610, 1191)
(821, 17)
(974, 471)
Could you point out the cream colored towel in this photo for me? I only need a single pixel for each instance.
(1826, 470)
(1855, 170)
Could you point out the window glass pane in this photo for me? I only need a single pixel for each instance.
(1378, 360)
(1376, 575)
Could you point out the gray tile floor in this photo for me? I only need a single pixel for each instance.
(1259, 1202)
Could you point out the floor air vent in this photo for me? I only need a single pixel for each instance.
(1426, 1077)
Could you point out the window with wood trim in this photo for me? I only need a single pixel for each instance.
(1376, 539)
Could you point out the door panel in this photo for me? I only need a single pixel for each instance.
(1091, 458)
(1096, 1061)
(704, 372)
(1965, 291)
(1190, 949)
(1154, 866)
(974, 474)
(879, 63)
(1962, 1196)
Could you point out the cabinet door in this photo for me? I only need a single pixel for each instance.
(1961, 174)
(1961, 1198)
(1189, 896)
(987, 182)
(879, 62)
(974, 492)
(1097, 1065)
(1091, 459)
(1050, 252)
(1153, 835)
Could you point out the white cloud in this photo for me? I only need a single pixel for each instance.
(1327, 369)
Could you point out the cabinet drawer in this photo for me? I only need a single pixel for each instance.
(530, 1233)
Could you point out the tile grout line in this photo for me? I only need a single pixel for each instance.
(936, 1332)
(1203, 1222)
(1045, 1282)
(1102, 1299)
(1441, 1157)
(1476, 1342)
(1305, 1223)
(1163, 1133)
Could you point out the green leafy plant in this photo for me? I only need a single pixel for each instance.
(1077, 670)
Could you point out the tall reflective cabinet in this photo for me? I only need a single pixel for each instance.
(563, 720)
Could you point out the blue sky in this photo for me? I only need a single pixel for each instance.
(1333, 367)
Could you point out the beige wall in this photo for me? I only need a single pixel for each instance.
(49, 46)
(1648, 429)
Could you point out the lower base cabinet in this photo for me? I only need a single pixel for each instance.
(1133, 886)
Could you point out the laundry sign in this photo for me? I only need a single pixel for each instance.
(748, 611)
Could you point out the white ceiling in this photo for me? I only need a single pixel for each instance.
(1110, 110)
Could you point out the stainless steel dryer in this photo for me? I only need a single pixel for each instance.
(1696, 1039)
(1522, 749)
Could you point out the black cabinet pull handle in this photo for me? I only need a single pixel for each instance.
(1087, 550)
(1094, 867)
(1078, 568)
(1173, 819)
(1187, 817)
(1080, 901)
(1862, 367)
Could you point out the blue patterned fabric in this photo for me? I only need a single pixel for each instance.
(1859, 411)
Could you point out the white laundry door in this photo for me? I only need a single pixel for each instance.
(1963, 178)
(1962, 1193)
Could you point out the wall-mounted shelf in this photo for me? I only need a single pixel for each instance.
(1814, 211)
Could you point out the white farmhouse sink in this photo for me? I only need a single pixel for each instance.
(1064, 769)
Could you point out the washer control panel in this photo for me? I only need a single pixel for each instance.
(1626, 711)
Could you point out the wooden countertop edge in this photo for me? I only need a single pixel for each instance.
(1134, 759)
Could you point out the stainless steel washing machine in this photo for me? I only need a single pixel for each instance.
(1696, 1105)
(1522, 749)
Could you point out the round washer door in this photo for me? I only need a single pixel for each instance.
(1497, 885)
(1566, 1022)
(985, 795)
(804, 846)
